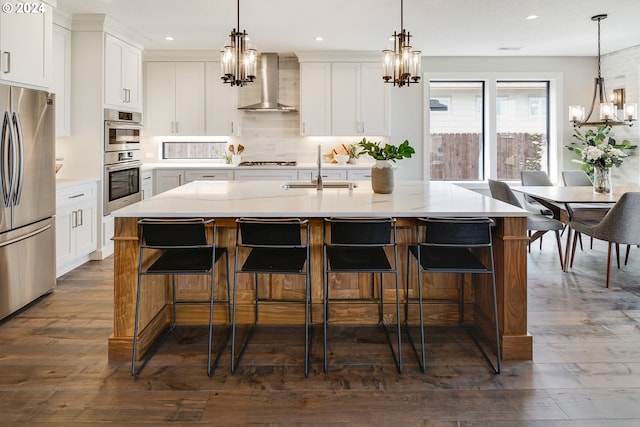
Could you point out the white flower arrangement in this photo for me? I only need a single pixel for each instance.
(598, 149)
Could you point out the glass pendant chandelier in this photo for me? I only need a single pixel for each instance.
(401, 66)
(238, 59)
(608, 111)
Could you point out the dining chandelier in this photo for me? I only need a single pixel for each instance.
(609, 114)
(238, 59)
(401, 66)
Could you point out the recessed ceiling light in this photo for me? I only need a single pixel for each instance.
(169, 38)
(530, 17)
(319, 38)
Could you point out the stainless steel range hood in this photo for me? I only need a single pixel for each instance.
(269, 79)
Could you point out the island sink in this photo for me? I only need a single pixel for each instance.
(325, 184)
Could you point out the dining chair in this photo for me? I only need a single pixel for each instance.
(452, 245)
(352, 245)
(576, 178)
(621, 225)
(179, 246)
(271, 246)
(538, 223)
(535, 178)
(594, 211)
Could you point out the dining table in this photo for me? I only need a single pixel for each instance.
(560, 199)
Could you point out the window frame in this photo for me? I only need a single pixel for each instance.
(554, 116)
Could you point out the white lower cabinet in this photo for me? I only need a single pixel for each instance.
(147, 184)
(359, 175)
(166, 179)
(327, 174)
(266, 175)
(208, 175)
(75, 226)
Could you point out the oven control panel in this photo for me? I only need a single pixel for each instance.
(115, 157)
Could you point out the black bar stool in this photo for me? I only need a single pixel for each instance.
(358, 245)
(272, 246)
(449, 245)
(183, 249)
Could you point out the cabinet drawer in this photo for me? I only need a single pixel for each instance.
(267, 175)
(359, 175)
(208, 175)
(75, 195)
(330, 174)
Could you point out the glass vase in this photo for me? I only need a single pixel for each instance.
(602, 180)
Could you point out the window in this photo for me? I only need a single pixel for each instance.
(457, 144)
(462, 147)
(193, 150)
(523, 128)
(537, 106)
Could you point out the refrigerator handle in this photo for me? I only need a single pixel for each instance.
(20, 159)
(6, 145)
(26, 236)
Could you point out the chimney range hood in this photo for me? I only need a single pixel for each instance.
(269, 81)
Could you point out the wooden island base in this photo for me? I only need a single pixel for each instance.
(510, 252)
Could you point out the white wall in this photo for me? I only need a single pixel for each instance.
(622, 70)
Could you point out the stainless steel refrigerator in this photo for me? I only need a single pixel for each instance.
(27, 205)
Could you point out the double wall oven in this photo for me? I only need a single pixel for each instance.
(122, 159)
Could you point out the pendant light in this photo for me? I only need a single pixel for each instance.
(238, 59)
(401, 66)
(608, 114)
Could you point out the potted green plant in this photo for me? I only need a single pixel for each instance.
(382, 180)
(354, 153)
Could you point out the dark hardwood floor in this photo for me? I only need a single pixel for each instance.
(585, 372)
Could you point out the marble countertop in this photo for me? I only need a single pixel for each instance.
(233, 199)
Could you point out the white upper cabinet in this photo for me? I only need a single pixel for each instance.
(359, 100)
(61, 79)
(175, 98)
(25, 43)
(220, 104)
(123, 74)
(374, 100)
(315, 99)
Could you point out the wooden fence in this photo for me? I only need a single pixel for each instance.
(459, 155)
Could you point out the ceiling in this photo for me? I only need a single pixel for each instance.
(439, 27)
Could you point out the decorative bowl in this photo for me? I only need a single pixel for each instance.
(342, 159)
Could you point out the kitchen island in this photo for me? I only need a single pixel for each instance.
(227, 200)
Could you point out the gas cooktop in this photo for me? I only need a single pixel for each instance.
(269, 163)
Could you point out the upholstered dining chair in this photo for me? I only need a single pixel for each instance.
(576, 178)
(593, 211)
(621, 225)
(538, 223)
(537, 178)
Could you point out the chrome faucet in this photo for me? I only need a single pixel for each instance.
(319, 178)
